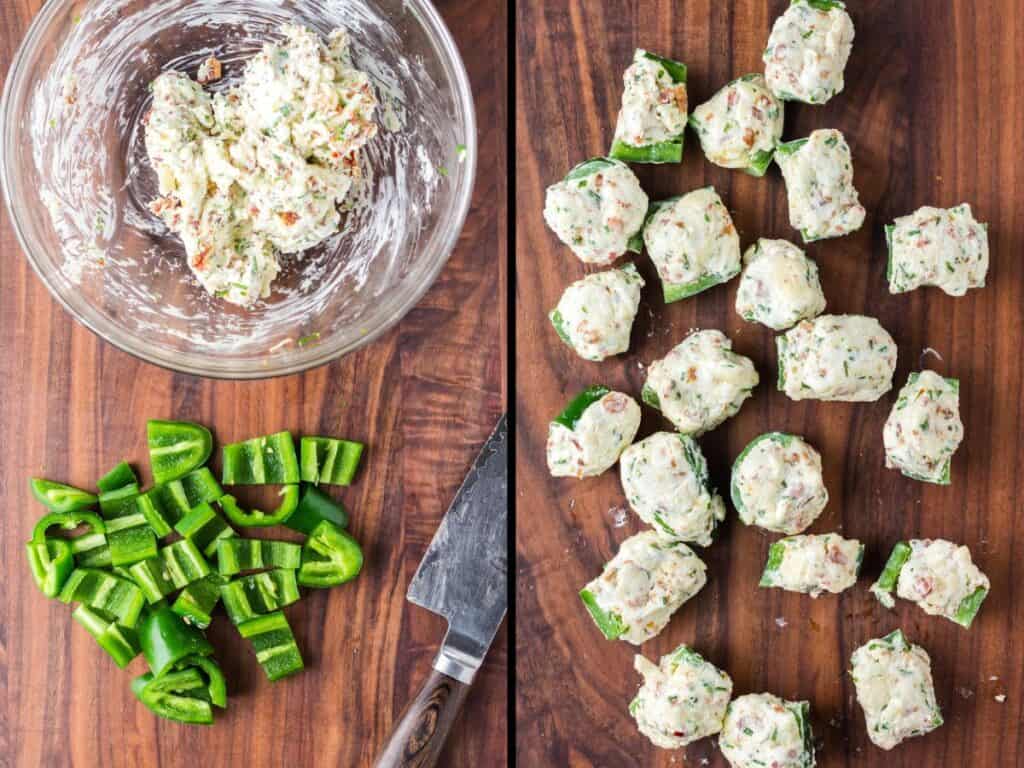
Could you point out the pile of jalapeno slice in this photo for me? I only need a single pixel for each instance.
(147, 568)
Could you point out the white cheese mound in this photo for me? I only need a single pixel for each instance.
(894, 687)
(761, 730)
(595, 314)
(682, 699)
(740, 125)
(779, 286)
(701, 382)
(777, 483)
(944, 247)
(596, 214)
(819, 186)
(644, 584)
(603, 431)
(807, 52)
(924, 429)
(848, 358)
(665, 479)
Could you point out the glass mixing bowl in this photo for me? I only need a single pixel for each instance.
(77, 180)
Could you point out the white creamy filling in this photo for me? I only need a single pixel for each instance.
(850, 358)
(759, 730)
(597, 312)
(701, 382)
(653, 104)
(693, 240)
(924, 428)
(646, 582)
(602, 433)
(938, 575)
(598, 214)
(665, 479)
(807, 52)
(682, 699)
(779, 484)
(817, 563)
(819, 186)
(946, 248)
(779, 286)
(739, 123)
(895, 690)
(262, 167)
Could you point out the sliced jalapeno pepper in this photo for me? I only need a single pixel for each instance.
(106, 592)
(263, 460)
(236, 555)
(120, 642)
(274, 643)
(120, 502)
(204, 527)
(216, 687)
(176, 448)
(314, 507)
(328, 460)
(196, 602)
(51, 562)
(68, 521)
(166, 639)
(247, 597)
(118, 477)
(257, 518)
(58, 497)
(175, 696)
(130, 539)
(330, 556)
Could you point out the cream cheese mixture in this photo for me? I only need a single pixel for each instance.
(762, 730)
(595, 314)
(924, 429)
(944, 247)
(779, 286)
(601, 433)
(261, 168)
(740, 126)
(813, 564)
(807, 51)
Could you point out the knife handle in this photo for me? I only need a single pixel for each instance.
(421, 731)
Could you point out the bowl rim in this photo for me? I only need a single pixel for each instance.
(455, 70)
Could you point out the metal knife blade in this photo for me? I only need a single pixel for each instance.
(464, 574)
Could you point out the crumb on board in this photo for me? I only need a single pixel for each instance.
(781, 622)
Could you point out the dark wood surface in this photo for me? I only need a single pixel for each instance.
(932, 110)
(424, 398)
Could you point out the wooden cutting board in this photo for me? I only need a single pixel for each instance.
(932, 109)
(424, 398)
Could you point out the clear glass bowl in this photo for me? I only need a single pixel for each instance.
(77, 181)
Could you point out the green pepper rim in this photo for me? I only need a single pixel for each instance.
(658, 153)
(801, 710)
(776, 554)
(781, 344)
(673, 292)
(257, 518)
(969, 607)
(314, 507)
(76, 498)
(173, 703)
(821, 5)
(166, 638)
(677, 70)
(759, 163)
(590, 167)
(187, 443)
(649, 396)
(888, 578)
(330, 556)
(610, 624)
(118, 477)
(573, 412)
(51, 562)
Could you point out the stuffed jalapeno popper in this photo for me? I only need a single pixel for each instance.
(595, 314)
(682, 699)
(760, 729)
(849, 358)
(807, 51)
(652, 121)
(740, 126)
(692, 242)
(777, 483)
(813, 564)
(924, 429)
(598, 210)
(587, 437)
(894, 686)
(665, 479)
(779, 286)
(642, 586)
(943, 247)
(700, 383)
(936, 574)
(819, 185)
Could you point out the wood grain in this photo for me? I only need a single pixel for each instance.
(424, 398)
(932, 110)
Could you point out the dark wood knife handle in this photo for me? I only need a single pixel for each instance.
(421, 731)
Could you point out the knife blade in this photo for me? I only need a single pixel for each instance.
(464, 574)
